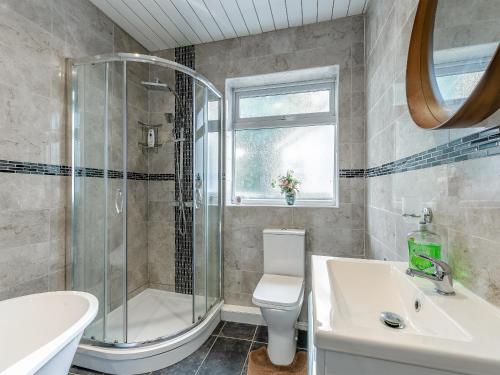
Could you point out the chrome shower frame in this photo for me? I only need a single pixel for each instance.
(136, 57)
(71, 65)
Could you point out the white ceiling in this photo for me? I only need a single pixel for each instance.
(162, 24)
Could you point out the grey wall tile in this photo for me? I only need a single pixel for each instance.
(38, 285)
(329, 230)
(464, 196)
(32, 259)
(24, 227)
(35, 40)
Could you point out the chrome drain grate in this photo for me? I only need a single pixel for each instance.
(392, 320)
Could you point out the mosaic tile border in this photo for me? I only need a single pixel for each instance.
(9, 166)
(19, 167)
(184, 242)
(474, 146)
(161, 177)
(351, 173)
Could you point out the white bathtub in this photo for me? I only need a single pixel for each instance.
(39, 333)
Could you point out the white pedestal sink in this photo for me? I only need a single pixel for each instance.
(443, 335)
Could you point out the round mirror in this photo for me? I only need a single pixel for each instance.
(453, 73)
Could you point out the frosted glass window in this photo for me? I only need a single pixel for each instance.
(285, 104)
(213, 169)
(458, 86)
(260, 155)
(281, 127)
(213, 110)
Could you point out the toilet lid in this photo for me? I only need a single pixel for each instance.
(278, 290)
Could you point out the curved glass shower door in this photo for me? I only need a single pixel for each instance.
(146, 213)
(213, 176)
(206, 223)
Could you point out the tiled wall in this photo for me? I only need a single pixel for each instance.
(35, 39)
(332, 231)
(170, 251)
(137, 197)
(466, 23)
(463, 194)
(161, 194)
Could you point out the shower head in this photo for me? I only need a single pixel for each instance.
(156, 85)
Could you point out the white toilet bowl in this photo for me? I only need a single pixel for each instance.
(280, 291)
(280, 300)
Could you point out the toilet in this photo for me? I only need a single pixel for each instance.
(280, 291)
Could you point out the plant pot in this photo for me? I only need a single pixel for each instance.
(290, 198)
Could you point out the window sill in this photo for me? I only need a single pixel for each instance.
(284, 205)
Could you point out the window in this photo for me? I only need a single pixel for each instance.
(279, 127)
(458, 71)
(458, 86)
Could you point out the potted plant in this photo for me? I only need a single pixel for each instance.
(288, 185)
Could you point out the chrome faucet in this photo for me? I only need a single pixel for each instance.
(442, 278)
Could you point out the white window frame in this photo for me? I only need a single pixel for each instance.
(468, 59)
(300, 119)
(283, 121)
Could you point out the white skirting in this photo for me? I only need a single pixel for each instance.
(242, 314)
(249, 315)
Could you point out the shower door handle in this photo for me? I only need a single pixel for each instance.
(198, 196)
(119, 201)
(198, 199)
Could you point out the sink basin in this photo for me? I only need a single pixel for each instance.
(378, 287)
(448, 334)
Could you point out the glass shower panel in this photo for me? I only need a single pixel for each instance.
(97, 188)
(116, 189)
(89, 91)
(213, 198)
(137, 198)
(199, 203)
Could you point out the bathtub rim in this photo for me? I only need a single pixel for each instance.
(41, 356)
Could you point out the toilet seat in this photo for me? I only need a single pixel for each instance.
(279, 292)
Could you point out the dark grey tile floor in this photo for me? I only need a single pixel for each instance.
(224, 353)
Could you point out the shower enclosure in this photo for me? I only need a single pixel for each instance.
(146, 208)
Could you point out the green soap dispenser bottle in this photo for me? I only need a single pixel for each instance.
(423, 241)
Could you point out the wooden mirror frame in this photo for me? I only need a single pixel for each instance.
(422, 92)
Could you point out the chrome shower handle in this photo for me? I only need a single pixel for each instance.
(198, 196)
(119, 201)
